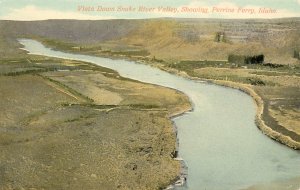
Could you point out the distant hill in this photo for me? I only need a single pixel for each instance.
(166, 38)
(80, 31)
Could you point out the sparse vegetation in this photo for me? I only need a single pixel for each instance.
(106, 131)
(247, 70)
(93, 131)
(256, 82)
(243, 59)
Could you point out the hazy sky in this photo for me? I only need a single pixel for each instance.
(73, 9)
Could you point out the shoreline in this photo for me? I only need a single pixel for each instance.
(268, 131)
(183, 172)
(182, 109)
(286, 140)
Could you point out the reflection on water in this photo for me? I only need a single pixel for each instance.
(219, 141)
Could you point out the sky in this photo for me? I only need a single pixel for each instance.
(136, 9)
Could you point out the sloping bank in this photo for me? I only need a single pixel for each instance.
(259, 121)
(286, 140)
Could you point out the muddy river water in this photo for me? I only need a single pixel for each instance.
(218, 140)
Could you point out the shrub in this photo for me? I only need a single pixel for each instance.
(256, 82)
(297, 54)
(244, 59)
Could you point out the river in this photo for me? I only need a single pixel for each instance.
(218, 140)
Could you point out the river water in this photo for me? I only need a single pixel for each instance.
(218, 140)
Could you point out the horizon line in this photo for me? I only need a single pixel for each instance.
(296, 17)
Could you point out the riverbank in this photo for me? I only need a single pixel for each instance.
(259, 121)
(214, 130)
(267, 130)
(261, 124)
(286, 140)
(101, 132)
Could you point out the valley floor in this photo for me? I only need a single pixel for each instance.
(275, 88)
(72, 125)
